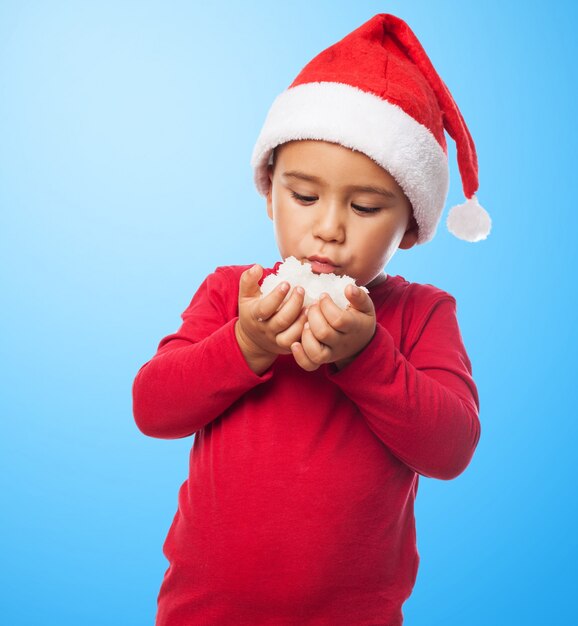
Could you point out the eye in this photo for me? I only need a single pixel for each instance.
(366, 209)
(301, 198)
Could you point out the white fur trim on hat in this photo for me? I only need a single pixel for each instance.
(359, 120)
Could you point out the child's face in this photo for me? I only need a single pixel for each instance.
(338, 210)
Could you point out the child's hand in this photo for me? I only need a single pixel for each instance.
(334, 335)
(267, 326)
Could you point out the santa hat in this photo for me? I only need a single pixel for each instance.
(376, 91)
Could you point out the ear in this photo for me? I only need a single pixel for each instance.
(268, 197)
(409, 238)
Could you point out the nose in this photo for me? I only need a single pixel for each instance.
(329, 223)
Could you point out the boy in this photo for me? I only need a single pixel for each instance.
(312, 425)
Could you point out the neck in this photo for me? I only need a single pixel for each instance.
(380, 278)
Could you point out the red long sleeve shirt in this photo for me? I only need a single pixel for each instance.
(298, 508)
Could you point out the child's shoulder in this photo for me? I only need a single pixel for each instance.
(409, 307)
(232, 273)
(415, 293)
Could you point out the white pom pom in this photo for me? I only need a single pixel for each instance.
(469, 221)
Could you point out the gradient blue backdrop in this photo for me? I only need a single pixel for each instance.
(125, 135)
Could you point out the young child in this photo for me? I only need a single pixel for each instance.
(312, 424)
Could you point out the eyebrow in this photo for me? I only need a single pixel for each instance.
(367, 188)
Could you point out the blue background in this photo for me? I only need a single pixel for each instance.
(126, 130)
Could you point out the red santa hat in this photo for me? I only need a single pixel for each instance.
(376, 91)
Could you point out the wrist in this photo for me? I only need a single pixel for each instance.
(257, 359)
(341, 363)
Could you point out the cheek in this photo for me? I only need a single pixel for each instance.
(379, 245)
(288, 220)
(287, 228)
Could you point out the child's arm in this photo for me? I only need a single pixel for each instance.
(424, 405)
(199, 371)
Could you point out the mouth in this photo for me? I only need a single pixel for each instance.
(322, 265)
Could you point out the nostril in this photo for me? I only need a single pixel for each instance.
(330, 234)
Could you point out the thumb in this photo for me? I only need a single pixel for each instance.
(249, 283)
(359, 299)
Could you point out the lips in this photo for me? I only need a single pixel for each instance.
(322, 265)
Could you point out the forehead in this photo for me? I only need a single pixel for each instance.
(332, 164)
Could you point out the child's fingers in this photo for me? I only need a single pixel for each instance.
(289, 310)
(335, 316)
(315, 351)
(301, 358)
(249, 282)
(359, 299)
(320, 321)
(266, 307)
(292, 334)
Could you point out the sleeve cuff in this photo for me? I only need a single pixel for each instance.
(378, 354)
(232, 350)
